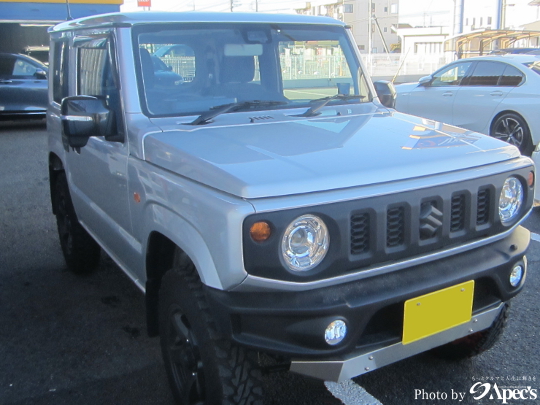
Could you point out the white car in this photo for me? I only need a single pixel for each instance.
(495, 95)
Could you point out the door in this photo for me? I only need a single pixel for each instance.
(23, 85)
(482, 92)
(435, 99)
(97, 172)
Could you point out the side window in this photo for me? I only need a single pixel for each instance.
(95, 75)
(23, 68)
(486, 74)
(452, 76)
(60, 70)
(511, 77)
(93, 78)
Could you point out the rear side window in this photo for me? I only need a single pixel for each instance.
(534, 66)
(511, 77)
(486, 74)
(60, 71)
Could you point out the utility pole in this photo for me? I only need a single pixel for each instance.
(370, 27)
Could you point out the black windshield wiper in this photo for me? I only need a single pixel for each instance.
(221, 109)
(325, 100)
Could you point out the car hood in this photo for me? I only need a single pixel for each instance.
(283, 155)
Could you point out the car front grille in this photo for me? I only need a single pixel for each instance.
(420, 223)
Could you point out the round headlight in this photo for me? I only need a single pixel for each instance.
(305, 243)
(511, 200)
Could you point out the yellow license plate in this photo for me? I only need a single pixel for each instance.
(438, 311)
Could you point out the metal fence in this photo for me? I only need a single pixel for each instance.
(295, 67)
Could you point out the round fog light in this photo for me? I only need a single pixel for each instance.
(335, 332)
(516, 275)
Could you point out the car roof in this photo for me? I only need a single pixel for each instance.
(513, 58)
(20, 55)
(140, 17)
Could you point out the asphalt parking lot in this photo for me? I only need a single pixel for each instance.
(67, 339)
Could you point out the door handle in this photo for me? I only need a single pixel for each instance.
(448, 94)
(496, 93)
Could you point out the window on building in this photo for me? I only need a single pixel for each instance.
(474, 21)
(347, 8)
(386, 9)
(385, 29)
(489, 20)
(428, 47)
(481, 20)
(394, 9)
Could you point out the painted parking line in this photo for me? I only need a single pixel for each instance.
(535, 237)
(351, 393)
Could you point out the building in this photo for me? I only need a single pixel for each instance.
(24, 24)
(371, 21)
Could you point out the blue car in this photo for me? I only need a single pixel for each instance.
(23, 87)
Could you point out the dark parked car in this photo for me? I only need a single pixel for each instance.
(23, 87)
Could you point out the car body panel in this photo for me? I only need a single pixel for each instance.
(292, 155)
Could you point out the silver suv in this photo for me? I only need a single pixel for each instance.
(268, 200)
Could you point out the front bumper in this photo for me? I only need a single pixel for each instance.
(354, 364)
(293, 323)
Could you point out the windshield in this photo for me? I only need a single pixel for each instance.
(534, 66)
(203, 66)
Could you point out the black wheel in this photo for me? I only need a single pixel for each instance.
(203, 367)
(513, 129)
(476, 343)
(80, 251)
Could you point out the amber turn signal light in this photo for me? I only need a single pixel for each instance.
(530, 180)
(260, 231)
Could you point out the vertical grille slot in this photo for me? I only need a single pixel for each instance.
(457, 213)
(483, 207)
(395, 227)
(360, 229)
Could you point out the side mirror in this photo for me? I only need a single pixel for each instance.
(40, 74)
(83, 117)
(425, 81)
(386, 93)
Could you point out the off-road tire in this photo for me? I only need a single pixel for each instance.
(476, 343)
(80, 250)
(202, 365)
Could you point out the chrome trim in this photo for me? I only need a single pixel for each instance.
(352, 365)
(252, 283)
(76, 118)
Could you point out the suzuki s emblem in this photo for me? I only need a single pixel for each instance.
(430, 220)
